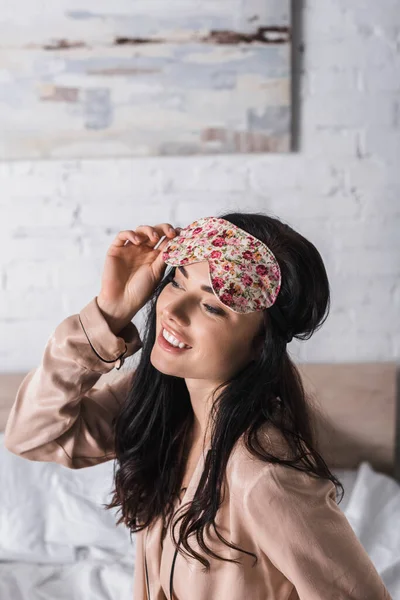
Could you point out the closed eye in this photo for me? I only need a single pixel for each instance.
(210, 309)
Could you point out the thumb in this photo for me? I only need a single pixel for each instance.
(159, 264)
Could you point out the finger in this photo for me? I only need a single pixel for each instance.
(161, 246)
(152, 235)
(148, 234)
(161, 229)
(123, 238)
(168, 233)
(159, 264)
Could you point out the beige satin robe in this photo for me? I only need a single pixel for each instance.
(306, 547)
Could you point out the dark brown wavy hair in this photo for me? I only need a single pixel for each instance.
(151, 426)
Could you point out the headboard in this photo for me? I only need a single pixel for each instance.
(355, 406)
(357, 413)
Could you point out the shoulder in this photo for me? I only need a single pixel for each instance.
(244, 468)
(254, 482)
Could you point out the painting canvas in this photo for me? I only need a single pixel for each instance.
(144, 78)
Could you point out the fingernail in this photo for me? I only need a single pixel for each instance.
(171, 229)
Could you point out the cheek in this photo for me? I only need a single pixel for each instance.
(217, 342)
(219, 357)
(228, 346)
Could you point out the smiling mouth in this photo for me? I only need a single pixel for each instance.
(171, 334)
(166, 345)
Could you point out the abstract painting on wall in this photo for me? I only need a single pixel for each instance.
(146, 78)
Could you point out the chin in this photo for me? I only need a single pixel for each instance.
(160, 365)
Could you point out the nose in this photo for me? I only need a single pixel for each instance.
(177, 322)
(174, 314)
(177, 311)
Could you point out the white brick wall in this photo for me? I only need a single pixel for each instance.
(340, 190)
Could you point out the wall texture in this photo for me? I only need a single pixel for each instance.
(126, 79)
(57, 218)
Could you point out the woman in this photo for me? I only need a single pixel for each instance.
(216, 433)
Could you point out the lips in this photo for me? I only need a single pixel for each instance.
(170, 348)
(176, 335)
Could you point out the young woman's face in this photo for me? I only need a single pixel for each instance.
(221, 340)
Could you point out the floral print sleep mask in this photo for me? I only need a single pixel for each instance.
(244, 273)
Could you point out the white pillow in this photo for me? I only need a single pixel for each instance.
(76, 515)
(49, 513)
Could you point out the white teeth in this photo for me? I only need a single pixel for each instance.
(172, 340)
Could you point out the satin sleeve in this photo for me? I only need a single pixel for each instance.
(59, 415)
(295, 521)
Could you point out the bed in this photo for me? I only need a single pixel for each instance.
(57, 541)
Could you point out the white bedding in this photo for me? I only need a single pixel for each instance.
(57, 541)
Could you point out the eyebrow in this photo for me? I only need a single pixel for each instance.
(205, 288)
